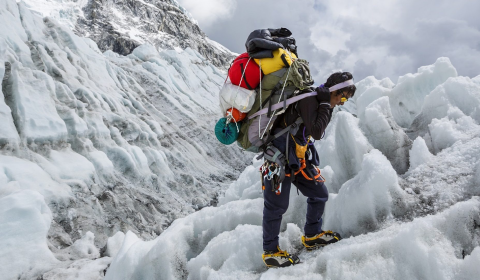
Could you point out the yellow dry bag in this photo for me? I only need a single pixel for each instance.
(281, 58)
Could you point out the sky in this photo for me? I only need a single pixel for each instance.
(380, 38)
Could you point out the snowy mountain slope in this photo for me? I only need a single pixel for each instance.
(121, 26)
(98, 143)
(421, 224)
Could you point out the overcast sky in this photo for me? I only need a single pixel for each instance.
(386, 38)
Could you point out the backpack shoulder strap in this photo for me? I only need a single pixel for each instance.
(290, 128)
(281, 104)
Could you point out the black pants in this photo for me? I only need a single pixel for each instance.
(276, 205)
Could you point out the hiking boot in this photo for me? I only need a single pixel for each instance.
(322, 239)
(279, 258)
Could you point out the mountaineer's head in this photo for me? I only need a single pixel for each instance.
(341, 86)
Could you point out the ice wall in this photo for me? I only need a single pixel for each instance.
(111, 143)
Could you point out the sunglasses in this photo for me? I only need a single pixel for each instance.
(344, 97)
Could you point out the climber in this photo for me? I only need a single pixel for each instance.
(301, 170)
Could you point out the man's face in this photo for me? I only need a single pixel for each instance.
(339, 99)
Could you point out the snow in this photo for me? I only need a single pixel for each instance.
(167, 256)
(408, 95)
(109, 163)
(246, 186)
(342, 149)
(419, 154)
(384, 134)
(407, 208)
(18, 174)
(24, 223)
(456, 98)
(377, 198)
(430, 247)
(32, 105)
(65, 11)
(85, 248)
(97, 135)
(72, 165)
(114, 244)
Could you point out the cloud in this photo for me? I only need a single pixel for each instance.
(207, 12)
(380, 38)
(392, 38)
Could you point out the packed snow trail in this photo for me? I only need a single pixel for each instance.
(407, 208)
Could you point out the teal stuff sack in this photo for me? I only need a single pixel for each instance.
(226, 133)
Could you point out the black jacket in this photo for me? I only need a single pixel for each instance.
(316, 115)
(262, 42)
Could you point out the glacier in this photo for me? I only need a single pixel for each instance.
(108, 142)
(417, 220)
(109, 169)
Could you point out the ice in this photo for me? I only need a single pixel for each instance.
(127, 260)
(419, 154)
(385, 135)
(368, 90)
(85, 248)
(24, 223)
(114, 244)
(407, 97)
(65, 11)
(446, 179)
(445, 132)
(72, 165)
(100, 161)
(342, 149)
(455, 98)
(247, 186)
(367, 200)
(227, 250)
(98, 135)
(184, 239)
(426, 248)
(32, 106)
(369, 95)
(393, 226)
(19, 174)
(117, 152)
(8, 132)
(430, 248)
(81, 269)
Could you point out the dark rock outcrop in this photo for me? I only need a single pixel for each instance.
(123, 25)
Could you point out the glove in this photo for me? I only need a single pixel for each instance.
(323, 94)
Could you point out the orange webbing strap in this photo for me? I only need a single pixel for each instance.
(301, 170)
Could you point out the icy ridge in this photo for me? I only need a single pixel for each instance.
(110, 143)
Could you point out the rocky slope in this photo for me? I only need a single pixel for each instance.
(123, 25)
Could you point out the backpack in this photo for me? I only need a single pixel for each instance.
(275, 93)
(245, 72)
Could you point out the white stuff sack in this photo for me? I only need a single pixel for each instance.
(237, 97)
